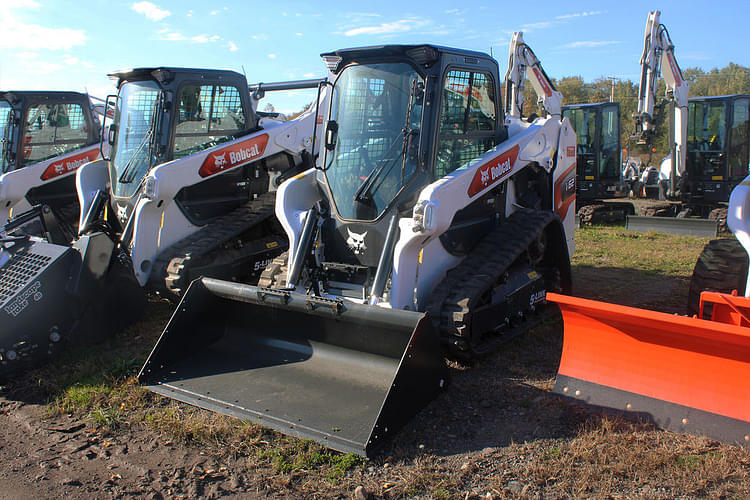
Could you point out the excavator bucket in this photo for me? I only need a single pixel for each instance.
(684, 374)
(343, 374)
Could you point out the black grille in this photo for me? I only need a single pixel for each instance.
(19, 271)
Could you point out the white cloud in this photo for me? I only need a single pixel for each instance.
(170, 36)
(190, 13)
(581, 14)
(68, 59)
(272, 56)
(20, 4)
(232, 47)
(150, 10)
(203, 38)
(214, 12)
(311, 74)
(260, 36)
(298, 34)
(400, 26)
(589, 44)
(18, 35)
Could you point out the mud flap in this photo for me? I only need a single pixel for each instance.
(684, 374)
(343, 374)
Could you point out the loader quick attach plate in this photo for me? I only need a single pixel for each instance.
(684, 374)
(343, 374)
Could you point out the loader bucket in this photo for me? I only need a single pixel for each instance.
(343, 374)
(684, 374)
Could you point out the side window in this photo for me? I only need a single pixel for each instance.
(208, 115)
(53, 130)
(467, 120)
(738, 152)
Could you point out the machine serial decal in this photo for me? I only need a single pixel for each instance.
(493, 171)
(234, 155)
(69, 164)
(22, 301)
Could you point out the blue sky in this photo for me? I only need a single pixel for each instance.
(69, 45)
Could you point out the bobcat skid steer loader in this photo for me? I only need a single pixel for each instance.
(188, 191)
(46, 136)
(431, 223)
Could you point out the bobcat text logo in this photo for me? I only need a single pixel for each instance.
(356, 242)
(243, 154)
(220, 160)
(500, 169)
(21, 302)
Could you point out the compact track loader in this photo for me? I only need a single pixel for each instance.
(433, 223)
(46, 136)
(686, 374)
(187, 191)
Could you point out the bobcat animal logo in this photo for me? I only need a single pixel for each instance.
(356, 242)
(220, 160)
(58, 168)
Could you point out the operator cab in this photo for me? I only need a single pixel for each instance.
(717, 147)
(402, 117)
(38, 125)
(597, 129)
(164, 114)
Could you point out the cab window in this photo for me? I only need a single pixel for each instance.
(207, 116)
(468, 120)
(53, 130)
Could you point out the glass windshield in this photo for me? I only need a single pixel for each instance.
(131, 153)
(707, 127)
(5, 135)
(374, 155)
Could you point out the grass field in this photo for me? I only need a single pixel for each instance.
(495, 431)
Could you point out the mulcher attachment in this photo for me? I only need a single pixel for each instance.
(343, 374)
(52, 296)
(685, 374)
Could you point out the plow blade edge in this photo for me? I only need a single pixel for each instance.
(343, 374)
(684, 374)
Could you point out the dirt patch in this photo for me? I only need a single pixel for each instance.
(81, 428)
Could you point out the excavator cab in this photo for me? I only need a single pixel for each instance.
(343, 339)
(55, 132)
(717, 150)
(598, 173)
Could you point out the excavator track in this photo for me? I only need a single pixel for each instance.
(187, 259)
(453, 299)
(605, 213)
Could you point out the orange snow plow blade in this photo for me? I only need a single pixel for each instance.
(684, 374)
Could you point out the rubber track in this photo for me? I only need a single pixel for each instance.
(172, 265)
(478, 272)
(721, 267)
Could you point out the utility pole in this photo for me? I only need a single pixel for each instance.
(612, 95)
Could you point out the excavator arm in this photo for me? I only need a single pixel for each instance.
(658, 59)
(523, 62)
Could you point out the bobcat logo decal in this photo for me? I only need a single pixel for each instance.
(356, 242)
(220, 160)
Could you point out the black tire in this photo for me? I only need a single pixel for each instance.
(721, 267)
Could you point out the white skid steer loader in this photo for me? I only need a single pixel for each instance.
(46, 136)
(432, 223)
(187, 191)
